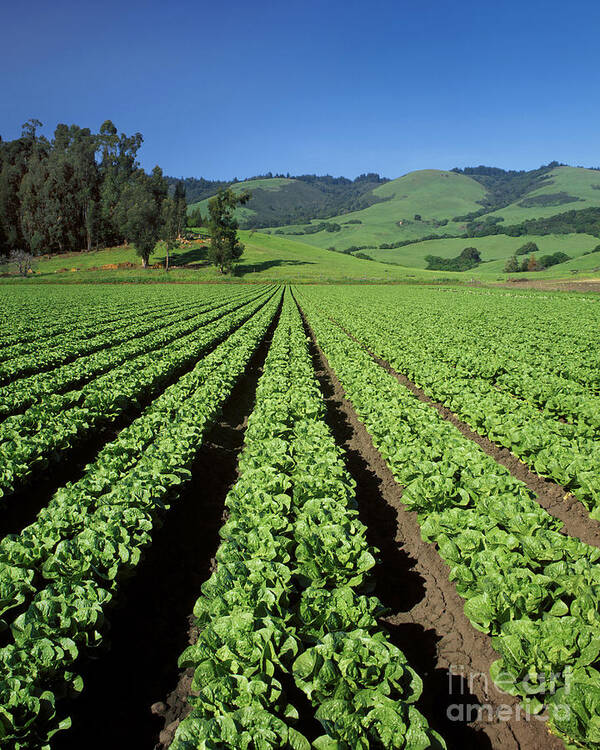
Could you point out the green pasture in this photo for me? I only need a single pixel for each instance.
(274, 258)
(494, 250)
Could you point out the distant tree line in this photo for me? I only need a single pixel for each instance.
(81, 190)
(308, 197)
(198, 188)
(424, 238)
(549, 199)
(322, 226)
(504, 186)
(530, 262)
(527, 248)
(468, 258)
(586, 221)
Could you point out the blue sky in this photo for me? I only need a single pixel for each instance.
(226, 89)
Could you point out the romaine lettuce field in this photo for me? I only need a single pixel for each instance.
(330, 517)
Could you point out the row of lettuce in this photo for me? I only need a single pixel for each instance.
(156, 330)
(49, 431)
(287, 610)
(549, 421)
(61, 573)
(535, 590)
(33, 314)
(36, 319)
(21, 360)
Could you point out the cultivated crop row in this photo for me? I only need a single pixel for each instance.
(72, 346)
(48, 430)
(287, 609)
(569, 453)
(22, 393)
(59, 575)
(553, 334)
(29, 314)
(36, 314)
(536, 591)
(68, 337)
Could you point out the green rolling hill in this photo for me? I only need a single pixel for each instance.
(245, 213)
(265, 258)
(283, 200)
(564, 189)
(413, 206)
(495, 251)
(439, 197)
(424, 205)
(280, 259)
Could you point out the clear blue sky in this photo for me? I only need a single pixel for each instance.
(226, 89)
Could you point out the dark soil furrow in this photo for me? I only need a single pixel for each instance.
(553, 497)
(122, 702)
(20, 508)
(426, 619)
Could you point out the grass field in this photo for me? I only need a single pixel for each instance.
(273, 258)
(437, 195)
(495, 250)
(430, 193)
(266, 258)
(574, 181)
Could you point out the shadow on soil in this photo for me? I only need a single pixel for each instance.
(400, 588)
(266, 265)
(150, 627)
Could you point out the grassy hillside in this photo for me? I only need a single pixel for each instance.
(438, 197)
(279, 200)
(280, 259)
(432, 194)
(495, 251)
(416, 205)
(243, 213)
(555, 197)
(266, 258)
(271, 258)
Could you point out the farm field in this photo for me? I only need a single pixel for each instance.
(299, 516)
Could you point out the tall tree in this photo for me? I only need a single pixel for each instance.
(139, 211)
(180, 207)
(169, 231)
(225, 248)
(61, 216)
(35, 213)
(195, 218)
(118, 164)
(79, 190)
(86, 179)
(13, 166)
(29, 130)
